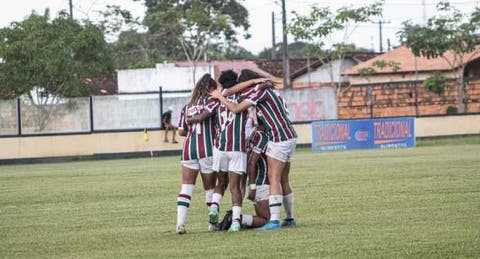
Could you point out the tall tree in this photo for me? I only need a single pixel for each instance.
(230, 52)
(185, 28)
(133, 50)
(320, 25)
(297, 49)
(45, 60)
(55, 56)
(449, 35)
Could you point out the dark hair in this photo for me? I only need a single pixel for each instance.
(228, 78)
(247, 74)
(202, 88)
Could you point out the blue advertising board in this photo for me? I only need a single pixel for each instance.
(361, 134)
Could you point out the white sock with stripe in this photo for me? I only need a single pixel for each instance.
(208, 197)
(183, 202)
(275, 202)
(247, 220)
(288, 202)
(216, 200)
(236, 212)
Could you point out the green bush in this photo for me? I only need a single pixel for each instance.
(436, 83)
(452, 110)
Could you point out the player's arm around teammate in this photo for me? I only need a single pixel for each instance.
(282, 141)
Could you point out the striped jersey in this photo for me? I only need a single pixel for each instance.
(258, 144)
(232, 135)
(272, 111)
(182, 123)
(199, 140)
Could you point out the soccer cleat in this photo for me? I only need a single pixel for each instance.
(235, 227)
(213, 215)
(271, 225)
(289, 222)
(181, 229)
(213, 227)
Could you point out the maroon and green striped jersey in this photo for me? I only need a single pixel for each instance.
(258, 144)
(199, 140)
(272, 111)
(182, 123)
(232, 135)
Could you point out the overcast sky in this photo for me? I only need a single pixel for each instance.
(260, 11)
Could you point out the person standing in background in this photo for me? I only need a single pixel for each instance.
(167, 124)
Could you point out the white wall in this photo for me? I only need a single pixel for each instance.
(322, 73)
(311, 104)
(168, 76)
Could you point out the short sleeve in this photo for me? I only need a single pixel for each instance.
(182, 123)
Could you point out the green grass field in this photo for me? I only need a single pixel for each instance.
(420, 202)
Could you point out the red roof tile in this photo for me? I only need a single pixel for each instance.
(406, 60)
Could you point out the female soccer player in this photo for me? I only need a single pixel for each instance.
(197, 150)
(272, 112)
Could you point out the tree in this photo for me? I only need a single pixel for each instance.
(296, 49)
(185, 28)
(56, 56)
(319, 26)
(449, 32)
(133, 50)
(436, 83)
(46, 60)
(230, 52)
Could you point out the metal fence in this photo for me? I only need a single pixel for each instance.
(130, 112)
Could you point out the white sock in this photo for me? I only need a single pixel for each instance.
(247, 220)
(208, 197)
(236, 212)
(275, 202)
(288, 202)
(216, 200)
(183, 202)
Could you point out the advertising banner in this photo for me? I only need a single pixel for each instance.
(363, 134)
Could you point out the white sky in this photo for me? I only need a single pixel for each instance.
(260, 11)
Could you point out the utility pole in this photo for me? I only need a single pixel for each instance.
(424, 7)
(286, 65)
(380, 32)
(71, 8)
(273, 35)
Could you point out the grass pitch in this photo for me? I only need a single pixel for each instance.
(420, 202)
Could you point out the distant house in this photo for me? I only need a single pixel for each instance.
(413, 69)
(319, 72)
(169, 76)
(177, 75)
(400, 92)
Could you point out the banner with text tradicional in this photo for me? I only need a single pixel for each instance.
(360, 134)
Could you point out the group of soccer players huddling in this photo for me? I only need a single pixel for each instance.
(217, 145)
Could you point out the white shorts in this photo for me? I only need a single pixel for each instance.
(282, 151)
(202, 164)
(231, 161)
(262, 193)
